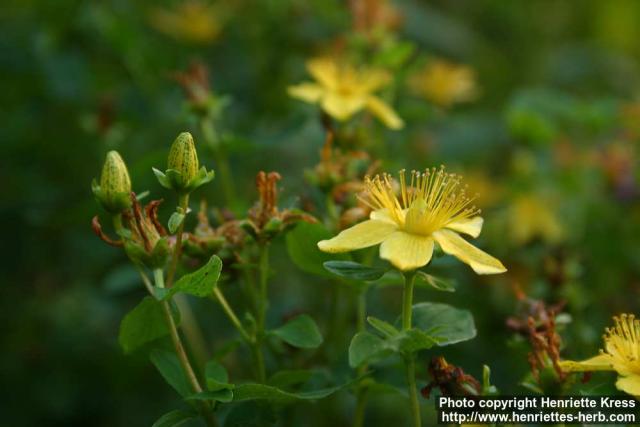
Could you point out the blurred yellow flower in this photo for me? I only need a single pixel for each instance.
(431, 209)
(621, 354)
(445, 84)
(342, 91)
(488, 190)
(530, 217)
(192, 21)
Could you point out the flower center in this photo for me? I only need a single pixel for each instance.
(622, 342)
(430, 201)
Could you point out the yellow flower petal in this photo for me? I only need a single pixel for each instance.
(308, 92)
(601, 362)
(362, 235)
(384, 112)
(342, 107)
(381, 215)
(481, 262)
(471, 226)
(630, 384)
(324, 71)
(407, 251)
(372, 80)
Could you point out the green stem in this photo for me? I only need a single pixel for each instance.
(361, 406)
(190, 326)
(407, 300)
(413, 389)
(146, 281)
(222, 162)
(231, 314)
(117, 223)
(262, 303)
(409, 360)
(363, 391)
(261, 372)
(194, 336)
(180, 351)
(183, 203)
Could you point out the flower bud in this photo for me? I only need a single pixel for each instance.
(114, 190)
(183, 158)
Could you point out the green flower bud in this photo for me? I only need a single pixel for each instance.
(183, 159)
(114, 191)
(184, 173)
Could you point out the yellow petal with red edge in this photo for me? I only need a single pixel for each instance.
(480, 261)
(601, 362)
(382, 111)
(630, 384)
(407, 251)
(362, 235)
(470, 226)
(308, 92)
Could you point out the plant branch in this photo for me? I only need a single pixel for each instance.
(409, 359)
(183, 203)
(180, 351)
(232, 315)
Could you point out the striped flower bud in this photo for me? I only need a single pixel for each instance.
(183, 158)
(184, 173)
(114, 190)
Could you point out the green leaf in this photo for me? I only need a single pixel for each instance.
(435, 282)
(413, 340)
(451, 325)
(487, 388)
(201, 282)
(169, 367)
(383, 327)
(365, 347)
(289, 378)
(174, 221)
(224, 395)
(302, 246)
(217, 377)
(162, 178)
(174, 418)
(301, 332)
(143, 324)
(354, 270)
(262, 391)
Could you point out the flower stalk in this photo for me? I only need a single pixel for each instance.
(158, 276)
(183, 203)
(410, 362)
(363, 390)
(263, 277)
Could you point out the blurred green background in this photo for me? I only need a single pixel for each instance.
(551, 139)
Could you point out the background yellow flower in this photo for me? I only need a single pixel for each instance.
(445, 84)
(342, 90)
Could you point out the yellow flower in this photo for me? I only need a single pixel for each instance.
(530, 216)
(431, 209)
(445, 84)
(192, 21)
(621, 354)
(342, 91)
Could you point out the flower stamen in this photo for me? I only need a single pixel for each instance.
(433, 197)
